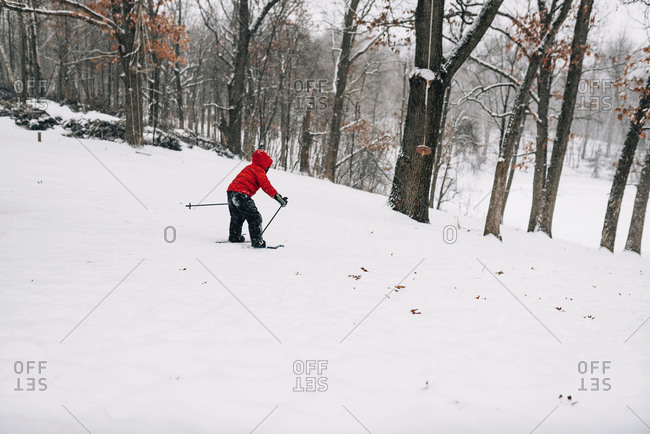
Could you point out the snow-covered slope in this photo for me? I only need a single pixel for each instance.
(580, 210)
(57, 110)
(141, 335)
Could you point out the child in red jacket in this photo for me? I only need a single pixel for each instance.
(241, 205)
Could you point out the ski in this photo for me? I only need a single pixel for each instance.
(226, 241)
(248, 242)
(267, 247)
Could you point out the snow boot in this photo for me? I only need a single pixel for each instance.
(259, 244)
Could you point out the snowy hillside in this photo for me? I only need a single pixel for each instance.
(146, 325)
(580, 211)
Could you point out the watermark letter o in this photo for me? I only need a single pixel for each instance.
(165, 234)
(449, 234)
(298, 367)
(582, 367)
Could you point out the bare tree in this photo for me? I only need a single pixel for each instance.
(428, 83)
(342, 68)
(578, 50)
(514, 130)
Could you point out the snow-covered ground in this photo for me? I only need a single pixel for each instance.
(579, 212)
(142, 335)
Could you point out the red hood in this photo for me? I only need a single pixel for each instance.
(262, 159)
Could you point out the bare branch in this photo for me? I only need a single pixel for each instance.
(265, 11)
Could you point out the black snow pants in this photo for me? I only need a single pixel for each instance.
(242, 207)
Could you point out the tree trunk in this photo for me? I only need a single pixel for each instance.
(35, 62)
(511, 174)
(191, 119)
(154, 89)
(132, 104)
(434, 177)
(284, 123)
(5, 62)
(438, 149)
(130, 58)
(179, 98)
(402, 105)
(578, 49)
(116, 86)
(539, 178)
(583, 152)
(10, 40)
(24, 78)
(341, 81)
(305, 140)
(202, 110)
(623, 167)
(510, 141)
(635, 234)
(109, 86)
(441, 193)
(249, 121)
(177, 74)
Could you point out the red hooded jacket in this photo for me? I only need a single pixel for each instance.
(253, 176)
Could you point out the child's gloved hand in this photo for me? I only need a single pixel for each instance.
(281, 200)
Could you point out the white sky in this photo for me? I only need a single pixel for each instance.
(615, 16)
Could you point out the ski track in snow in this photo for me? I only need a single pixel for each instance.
(202, 337)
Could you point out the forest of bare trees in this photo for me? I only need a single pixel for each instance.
(408, 100)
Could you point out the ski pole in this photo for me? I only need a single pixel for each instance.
(190, 206)
(267, 225)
